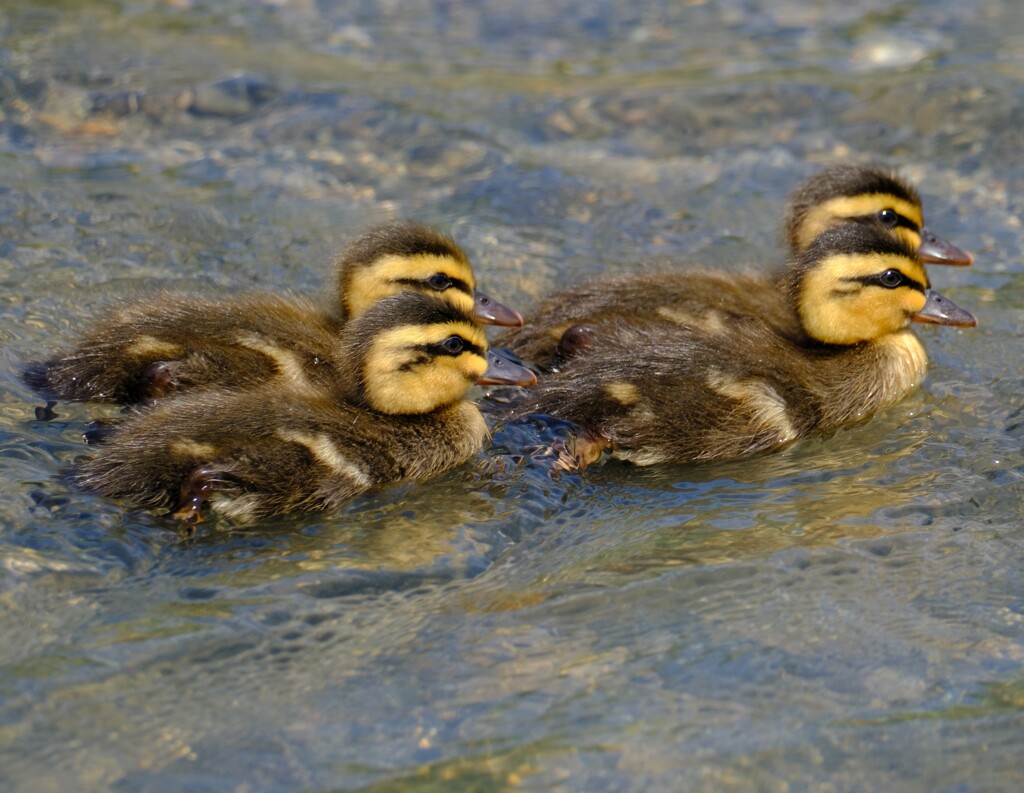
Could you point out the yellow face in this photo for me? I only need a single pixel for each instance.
(418, 368)
(849, 298)
(446, 277)
(903, 218)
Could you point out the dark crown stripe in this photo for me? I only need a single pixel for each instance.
(409, 239)
(412, 308)
(854, 237)
(857, 180)
(859, 236)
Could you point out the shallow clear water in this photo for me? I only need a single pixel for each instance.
(848, 615)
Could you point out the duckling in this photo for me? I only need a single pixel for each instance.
(845, 192)
(396, 410)
(750, 381)
(409, 255)
(146, 348)
(836, 195)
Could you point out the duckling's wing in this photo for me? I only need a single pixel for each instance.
(172, 342)
(694, 297)
(679, 396)
(272, 450)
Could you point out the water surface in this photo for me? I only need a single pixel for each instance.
(847, 615)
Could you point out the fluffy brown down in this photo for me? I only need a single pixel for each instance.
(228, 343)
(271, 451)
(658, 390)
(630, 296)
(281, 447)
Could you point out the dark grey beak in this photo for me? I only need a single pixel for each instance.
(939, 310)
(935, 250)
(501, 371)
(488, 311)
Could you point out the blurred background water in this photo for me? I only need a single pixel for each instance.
(847, 615)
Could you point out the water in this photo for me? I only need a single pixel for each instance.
(847, 615)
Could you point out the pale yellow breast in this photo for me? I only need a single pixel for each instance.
(904, 366)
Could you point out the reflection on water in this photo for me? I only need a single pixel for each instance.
(846, 615)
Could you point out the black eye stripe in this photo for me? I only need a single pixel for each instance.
(879, 280)
(906, 223)
(897, 220)
(456, 283)
(439, 349)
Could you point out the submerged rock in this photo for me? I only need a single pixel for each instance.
(227, 97)
(231, 96)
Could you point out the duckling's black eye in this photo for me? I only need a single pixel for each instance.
(891, 279)
(439, 281)
(453, 344)
(889, 217)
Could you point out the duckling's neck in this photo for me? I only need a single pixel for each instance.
(867, 377)
(338, 373)
(907, 365)
(444, 438)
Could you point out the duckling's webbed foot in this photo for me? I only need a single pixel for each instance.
(195, 492)
(575, 340)
(586, 449)
(36, 375)
(46, 413)
(565, 458)
(98, 431)
(158, 380)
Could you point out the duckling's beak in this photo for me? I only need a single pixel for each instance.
(488, 311)
(935, 250)
(501, 371)
(939, 310)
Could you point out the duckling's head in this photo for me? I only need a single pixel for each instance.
(408, 256)
(847, 192)
(857, 282)
(414, 353)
